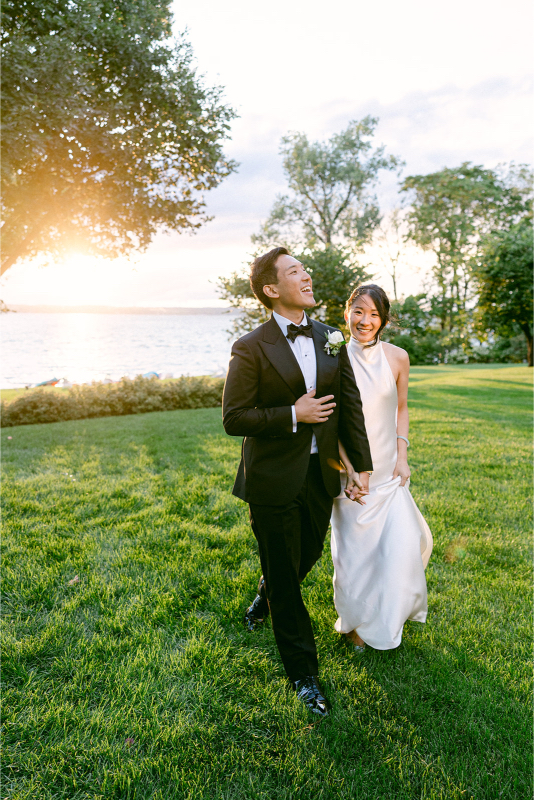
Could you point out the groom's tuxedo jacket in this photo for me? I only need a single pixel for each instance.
(264, 380)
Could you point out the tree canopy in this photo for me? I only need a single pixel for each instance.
(108, 133)
(505, 274)
(450, 211)
(331, 183)
(328, 218)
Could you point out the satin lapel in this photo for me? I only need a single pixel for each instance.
(326, 365)
(277, 350)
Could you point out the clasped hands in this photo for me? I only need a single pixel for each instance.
(357, 486)
(311, 410)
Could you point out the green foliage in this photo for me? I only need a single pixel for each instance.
(107, 132)
(415, 327)
(505, 276)
(507, 350)
(410, 315)
(139, 681)
(135, 396)
(450, 212)
(411, 328)
(422, 350)
(331, 183)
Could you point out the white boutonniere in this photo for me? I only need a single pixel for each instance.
(334, 342)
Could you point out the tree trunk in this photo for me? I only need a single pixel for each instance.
(19, 250)
(528, 336)
(443, 311)
(9, 260)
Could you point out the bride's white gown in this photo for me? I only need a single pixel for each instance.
(380, 550)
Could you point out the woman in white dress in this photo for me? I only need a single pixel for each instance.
(381, 543)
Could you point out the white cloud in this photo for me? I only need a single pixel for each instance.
(487, 124)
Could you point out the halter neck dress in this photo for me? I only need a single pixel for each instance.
(380, 550)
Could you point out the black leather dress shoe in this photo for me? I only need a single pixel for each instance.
(258, 611)
(310, 692)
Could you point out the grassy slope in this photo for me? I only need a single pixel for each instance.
(139, 682)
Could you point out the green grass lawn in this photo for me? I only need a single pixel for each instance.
(138, 680)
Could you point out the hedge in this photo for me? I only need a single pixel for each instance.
(127, 396)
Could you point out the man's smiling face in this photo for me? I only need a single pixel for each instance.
(294, 288)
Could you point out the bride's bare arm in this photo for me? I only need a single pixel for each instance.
(344, 458)
(403, 420)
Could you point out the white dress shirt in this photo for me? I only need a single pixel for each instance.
(304, 351)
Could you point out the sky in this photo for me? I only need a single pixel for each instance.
(449, 82)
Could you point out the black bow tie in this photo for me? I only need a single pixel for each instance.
(299, 330)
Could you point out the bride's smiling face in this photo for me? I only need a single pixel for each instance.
(363, 319)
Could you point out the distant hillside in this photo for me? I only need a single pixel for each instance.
(22, 309)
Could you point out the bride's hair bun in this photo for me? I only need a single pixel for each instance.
(379, 298)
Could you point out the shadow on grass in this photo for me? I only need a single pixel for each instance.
(461, 714)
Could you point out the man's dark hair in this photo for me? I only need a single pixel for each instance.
(263, 272)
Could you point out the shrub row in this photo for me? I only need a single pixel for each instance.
(435, 348)
(135, 396)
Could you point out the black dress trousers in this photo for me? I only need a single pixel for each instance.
(290, 540)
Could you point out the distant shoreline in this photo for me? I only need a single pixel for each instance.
(24, 309)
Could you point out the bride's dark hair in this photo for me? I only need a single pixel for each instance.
(379, 298)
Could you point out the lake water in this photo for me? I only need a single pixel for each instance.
(90, 347)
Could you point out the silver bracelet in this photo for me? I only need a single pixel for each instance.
(405, 439)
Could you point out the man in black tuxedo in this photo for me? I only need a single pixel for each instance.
(292, 401)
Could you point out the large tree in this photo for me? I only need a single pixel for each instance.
(108, 134)
(327, 219)
(505, 273)
(450, 212)
(332, 183)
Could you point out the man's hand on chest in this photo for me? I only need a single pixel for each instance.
(311, 410)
